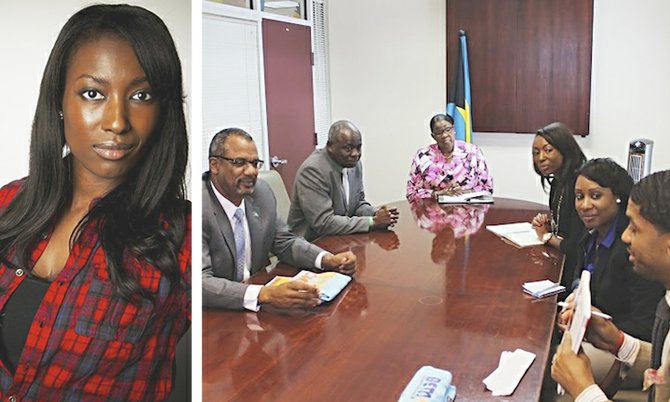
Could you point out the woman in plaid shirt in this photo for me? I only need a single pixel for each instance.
(95, 250)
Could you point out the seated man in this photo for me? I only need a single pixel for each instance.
(240, 227)
(648, 240)
(328, 197)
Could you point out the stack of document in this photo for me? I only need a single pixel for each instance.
(511, 368)
(329, 283)
(519, 234)
(542, 288)
(476, 197)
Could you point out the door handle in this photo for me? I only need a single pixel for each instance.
(275, 161)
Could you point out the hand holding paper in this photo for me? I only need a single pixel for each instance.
(571, 370)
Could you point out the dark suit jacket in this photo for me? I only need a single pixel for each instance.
(318, 207)
(268, 234)
(570, 228)
(620, 292)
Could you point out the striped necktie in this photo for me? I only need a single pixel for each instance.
(240, 245)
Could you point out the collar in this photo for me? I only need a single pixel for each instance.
(336, 166)
(609, 238)
(460, 149)
(228, 206)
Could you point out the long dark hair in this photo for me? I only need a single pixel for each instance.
(559, 136)
(145, 215)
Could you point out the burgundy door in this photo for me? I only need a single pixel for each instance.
(289, 94)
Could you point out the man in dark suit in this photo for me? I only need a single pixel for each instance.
(648, 240)
(240, 227)
(328, 196)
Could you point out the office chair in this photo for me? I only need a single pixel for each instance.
(277, 185)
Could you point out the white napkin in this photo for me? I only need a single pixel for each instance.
(511, 368)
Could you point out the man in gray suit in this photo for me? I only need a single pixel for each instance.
(240, 227)
(648, 240)
(328, 196)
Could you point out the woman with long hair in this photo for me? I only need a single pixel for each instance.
(556, 157)
(95, 242)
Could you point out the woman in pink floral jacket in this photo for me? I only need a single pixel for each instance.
(449, 166)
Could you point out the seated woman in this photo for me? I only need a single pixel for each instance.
(556, 157)
(449, 166)
(95, 244)
(601, 196)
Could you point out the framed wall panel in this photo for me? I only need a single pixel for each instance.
(530, 61)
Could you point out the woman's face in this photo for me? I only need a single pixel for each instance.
(596, 205)
(444, 134)
(109, 111)
(546, 158)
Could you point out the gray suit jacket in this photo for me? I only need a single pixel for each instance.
(268, 234)
(317, 205)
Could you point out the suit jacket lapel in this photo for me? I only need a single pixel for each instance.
(222, 221)
(255, 233)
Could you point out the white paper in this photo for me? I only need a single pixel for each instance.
(475, 197)
(520, 234)
(582, 314)
(511, 368)
(542, 288)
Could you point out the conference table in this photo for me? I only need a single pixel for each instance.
(437, 289)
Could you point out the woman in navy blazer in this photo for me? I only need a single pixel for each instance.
(601, 196)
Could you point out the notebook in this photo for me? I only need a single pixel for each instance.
(542, 288)
(519, 234)
(476, 197)
(330, 284)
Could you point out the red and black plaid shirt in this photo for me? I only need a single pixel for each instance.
(86, 342)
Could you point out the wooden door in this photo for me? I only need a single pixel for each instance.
(289, 95)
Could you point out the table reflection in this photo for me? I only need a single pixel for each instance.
(435, 290)
(463, 219)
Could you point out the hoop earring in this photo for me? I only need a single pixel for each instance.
(66, 150)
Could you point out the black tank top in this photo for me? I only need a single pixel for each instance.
(17, 317)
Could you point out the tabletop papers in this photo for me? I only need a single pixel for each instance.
(330, 284)
(511, 368)
(542, 288)
(519, 234)
(429, 384)
(475, 197)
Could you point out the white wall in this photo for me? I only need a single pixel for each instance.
(388, 77)
(28, 30)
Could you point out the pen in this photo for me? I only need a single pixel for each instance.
(598, 313)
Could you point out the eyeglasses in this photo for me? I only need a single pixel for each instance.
(240, 162)
(444, 131)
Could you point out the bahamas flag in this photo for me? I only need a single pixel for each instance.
(459, 106)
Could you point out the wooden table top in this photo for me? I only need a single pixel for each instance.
(439, 289)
